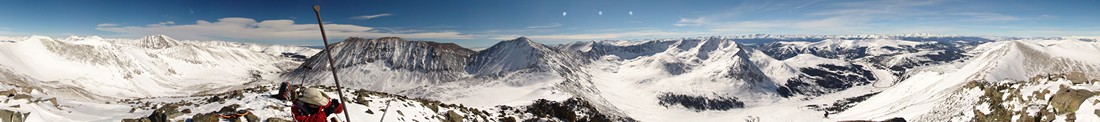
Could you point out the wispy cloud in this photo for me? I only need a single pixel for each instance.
(691, 22)
(986, 16)
(747, 7)
(843, 17)
(367, 17)
(106, 24)
(830, 25)
(249, 29)
(7, 32)
(552, 25)
(600, 35)
(162, 23)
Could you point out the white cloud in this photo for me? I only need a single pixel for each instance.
(367, 17)
(691, 22)
(106, 25)
(552, 25)
(4, 31)
(162, 23)
(504, 37)
(600, 36)
(986, 16)
(249, 29)
(844, 17)
(850, 12)
(9, 33)
(837, 22)
(831, 24)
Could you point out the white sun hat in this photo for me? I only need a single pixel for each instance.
(314, 96)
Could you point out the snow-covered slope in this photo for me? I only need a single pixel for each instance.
(98, 68)
(386, 64)
(513, 72)
(632, 79)
(35, 106)
(520, 55)
(1010, 81)
(719, 78)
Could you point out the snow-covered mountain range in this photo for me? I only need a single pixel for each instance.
(917, 77)
(94, 68)
(699, 78)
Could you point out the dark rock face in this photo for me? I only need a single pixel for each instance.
(295, 56)
(157, 42)
(509, 56)
(396, 53)
(571, 110)
(700, 103)
(841, 105)
(746, 70)
(596, 49)
(826, 79)
(162, 114)
(435, 62)
(676, 68)
(522, 55)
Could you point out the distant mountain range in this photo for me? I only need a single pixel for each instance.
(918, 77)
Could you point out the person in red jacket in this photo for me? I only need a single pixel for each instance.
(315, 106)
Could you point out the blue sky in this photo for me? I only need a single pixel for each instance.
(481, 23)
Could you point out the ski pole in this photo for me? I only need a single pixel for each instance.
(331, 65)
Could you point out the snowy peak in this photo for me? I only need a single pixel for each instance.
(126, 68)
(393, 64)
(386, 63)
(395, 53)
(86, 38)
(521, 54)
(158, 42)
(519, 43)
(452, 47)
(1020, 60)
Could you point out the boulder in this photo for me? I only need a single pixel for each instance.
(13, 116)
(453, 117)
(162, 114)
(1077, 77)
(229, 108)
(362, 100)
(137, 120)
(214, 99)
(1097, 112)
(1068, 100)
(8, 92)
(273, 119)
(22, 96)
(206, 117)
(252, 117)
